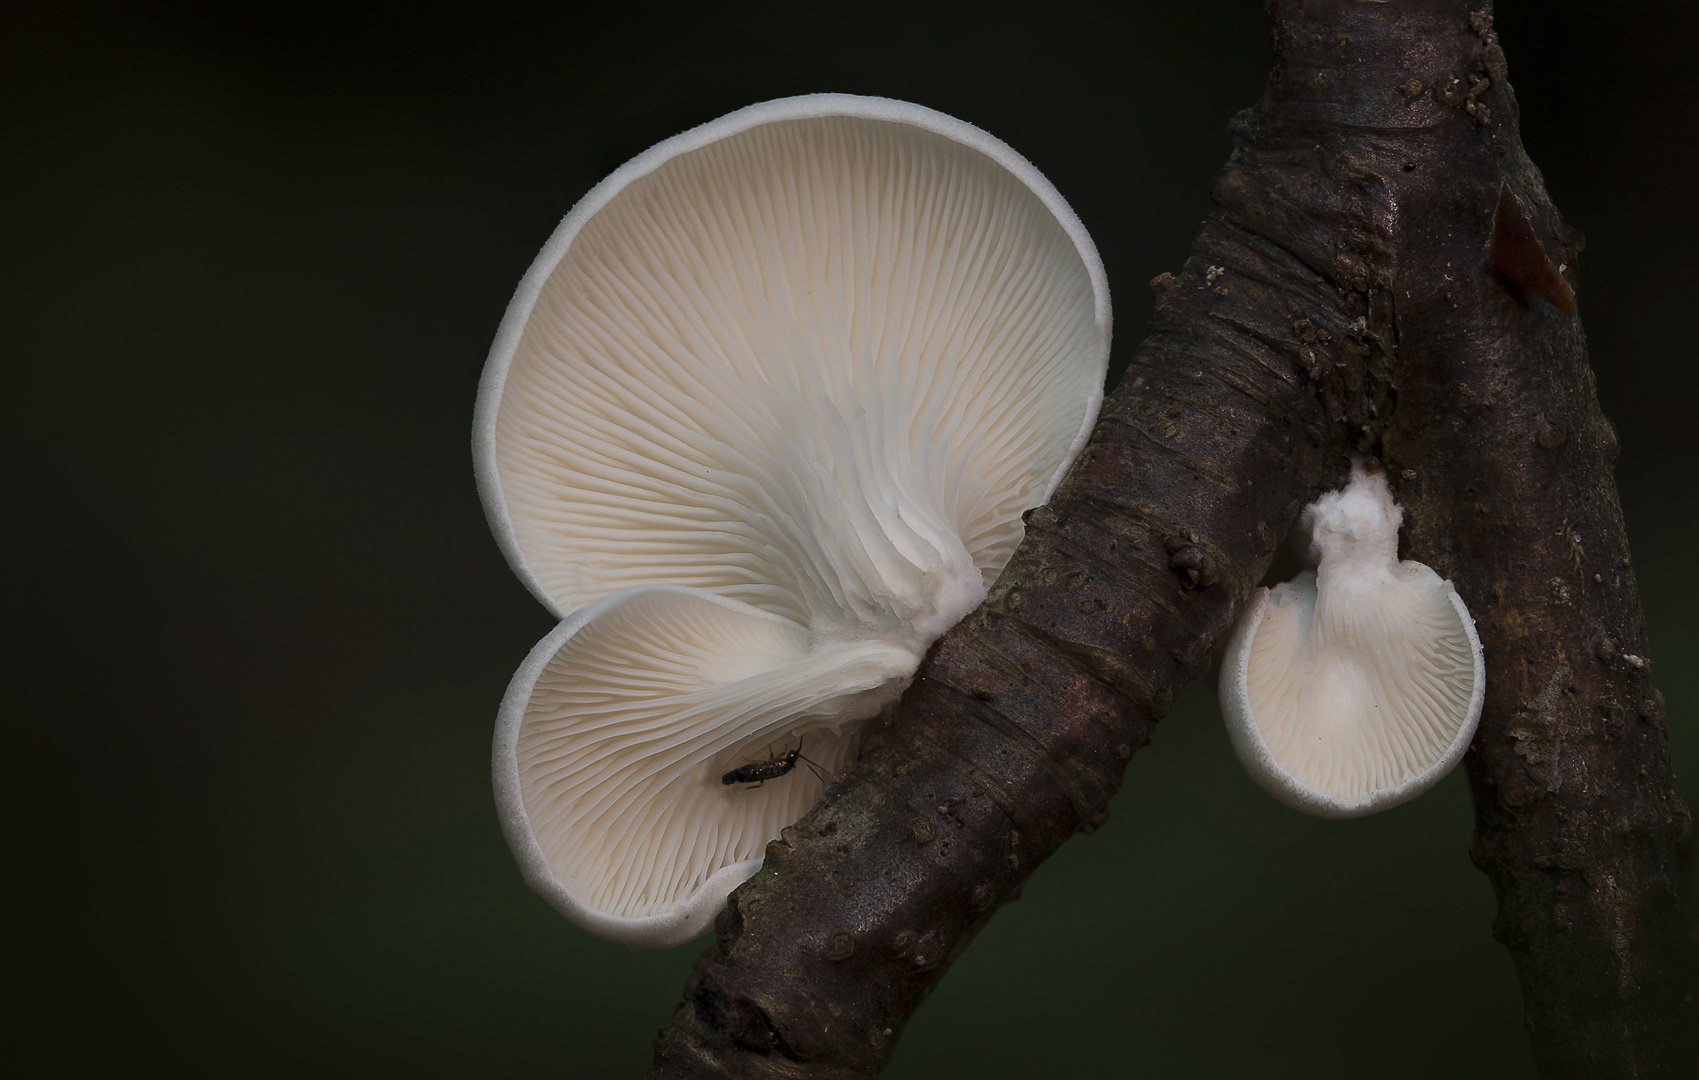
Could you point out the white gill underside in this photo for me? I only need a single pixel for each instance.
(1366, 691)
(621, 756)
(819, 369)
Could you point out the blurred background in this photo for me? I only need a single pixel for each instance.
(251, 258)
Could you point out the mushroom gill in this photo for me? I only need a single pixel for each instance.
(760, 425)
(1355, 686)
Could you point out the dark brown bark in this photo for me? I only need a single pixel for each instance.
(1384, 275)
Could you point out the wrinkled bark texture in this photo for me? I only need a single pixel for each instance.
(1383, 275)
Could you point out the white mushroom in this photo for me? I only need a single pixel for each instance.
(1355, 686)
(759, 425)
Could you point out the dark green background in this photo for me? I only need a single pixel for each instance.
(252, 259)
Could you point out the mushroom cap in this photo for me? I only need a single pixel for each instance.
(614, 735)
(736, 254)
(759, 425)
(1358, 685)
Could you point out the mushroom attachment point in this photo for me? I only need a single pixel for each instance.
(1357, 685)
(759, 425)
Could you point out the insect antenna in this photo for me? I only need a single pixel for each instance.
(819, 770)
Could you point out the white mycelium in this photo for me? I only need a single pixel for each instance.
(1356, 686)
(760, 425)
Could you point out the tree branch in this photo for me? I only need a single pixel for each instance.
(1383, 275)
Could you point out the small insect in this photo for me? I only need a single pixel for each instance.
(757, 773)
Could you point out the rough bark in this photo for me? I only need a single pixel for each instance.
(1384, 275)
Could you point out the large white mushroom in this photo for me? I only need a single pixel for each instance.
(1357, 685)
(759, 425)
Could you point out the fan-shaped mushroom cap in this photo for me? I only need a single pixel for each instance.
(759, 425)
(1356, 686)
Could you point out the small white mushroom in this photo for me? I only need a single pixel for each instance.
(759, 425)
(1355, 686)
